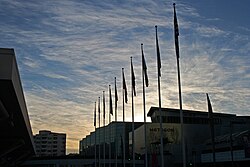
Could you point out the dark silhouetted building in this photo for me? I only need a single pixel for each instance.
(115, 134)
(197, 137)
(16, 139)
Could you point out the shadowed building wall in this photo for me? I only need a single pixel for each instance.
(16, 139)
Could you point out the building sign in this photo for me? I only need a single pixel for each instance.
(171, 133)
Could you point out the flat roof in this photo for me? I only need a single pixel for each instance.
(153, 109)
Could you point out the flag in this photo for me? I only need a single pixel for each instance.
(116, 95)
(133, 77)
(144, 66)
(124, 86)
(110, 102)
(210, 110)
(99, 110)
(211, 121)
(103, 104)
(158, 54)
(95, 115)
(176, 33)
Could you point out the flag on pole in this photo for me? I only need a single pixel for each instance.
(104, 105)
(133, 78)
(158, 53)
(95, 115)
(144, 65)
(176, 34)
(95, 133)
(99, 117)
(110, 102)
(124, 86)
(144, 77)
(159, 92)
(210, 116)
(99, 110)
(116, 95)
(210, 110)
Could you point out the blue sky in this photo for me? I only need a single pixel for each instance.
(68, 52)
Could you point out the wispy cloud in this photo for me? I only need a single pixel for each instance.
(210, 31)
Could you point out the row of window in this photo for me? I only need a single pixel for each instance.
(49, 146)
(45, 142)
(46, 137)
(46, 146)
(186, 120)
(49, 137)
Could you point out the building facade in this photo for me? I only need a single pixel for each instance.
(197, 136)
(116, 138)
(48, 143)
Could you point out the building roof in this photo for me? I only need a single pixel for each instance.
(47, 132)
(16, 139)
(156, 109)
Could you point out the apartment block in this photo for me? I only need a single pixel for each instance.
(48, 143)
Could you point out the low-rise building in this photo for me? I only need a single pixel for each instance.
(114, 137)
(197, 135)
(48, 143)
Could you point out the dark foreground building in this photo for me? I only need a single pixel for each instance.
(116, 135)
(232, 139)
(16, 140)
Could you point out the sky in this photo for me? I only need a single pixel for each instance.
(68, 52)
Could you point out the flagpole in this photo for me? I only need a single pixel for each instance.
(133, 114)
(159, 92)
(95, 132)
(211, 122)
(110, 112)
(104, 129)
(99, 115)
(116, 99)
(123, 101)
(123, 111)
(144, 107)
(181, 115)
(176, 32)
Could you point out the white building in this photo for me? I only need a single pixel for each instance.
(48, 143)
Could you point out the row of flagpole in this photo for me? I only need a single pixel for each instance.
(125, 100)
(145, 82)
